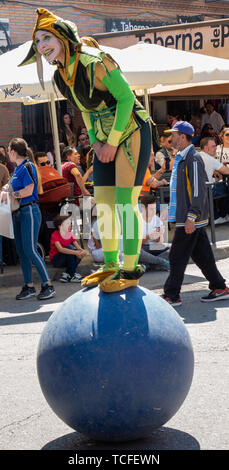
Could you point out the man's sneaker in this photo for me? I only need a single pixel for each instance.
(76, 278)
(217, 294)
(26, 293)
(65, 277)
(220, 220)
(174, 303)
(47, 292)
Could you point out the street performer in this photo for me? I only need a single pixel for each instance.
(119, 131)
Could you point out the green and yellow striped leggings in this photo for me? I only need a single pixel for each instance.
(116, 189)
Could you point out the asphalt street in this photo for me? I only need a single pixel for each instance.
(28, 423)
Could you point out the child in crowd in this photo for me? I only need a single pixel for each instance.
(94, 243)
(64, 250)
(153, 237)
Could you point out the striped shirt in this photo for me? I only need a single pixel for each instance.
(173, 184)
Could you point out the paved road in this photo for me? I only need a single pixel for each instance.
(26, 420)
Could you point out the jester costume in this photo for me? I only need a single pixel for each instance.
(114, 116)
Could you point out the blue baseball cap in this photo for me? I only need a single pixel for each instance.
(182, 126)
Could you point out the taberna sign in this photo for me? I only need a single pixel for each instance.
(207, 40)
(205, 37)
(113, 24)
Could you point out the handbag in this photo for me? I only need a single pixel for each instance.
(14, 203)
(6, 222)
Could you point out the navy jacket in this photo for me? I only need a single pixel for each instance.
(191, 191)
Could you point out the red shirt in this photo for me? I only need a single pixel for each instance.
(66, 173)
(56, 237)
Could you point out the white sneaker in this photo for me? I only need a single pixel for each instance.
(65, 277)
(220, 220)
(76, 278)
(227, 218)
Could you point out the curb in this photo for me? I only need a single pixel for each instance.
(12, 276)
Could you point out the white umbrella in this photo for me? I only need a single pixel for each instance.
(210, 76)
(141, 67)
(145, 65)
(21, 84)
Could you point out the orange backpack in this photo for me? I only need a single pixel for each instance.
(55, 187)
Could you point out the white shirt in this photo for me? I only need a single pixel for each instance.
(215, 119)
(160, 157)
(211, 164)
(222, 154)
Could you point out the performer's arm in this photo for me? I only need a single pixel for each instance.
(111, 79)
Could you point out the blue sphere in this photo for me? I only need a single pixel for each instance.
(115, 366)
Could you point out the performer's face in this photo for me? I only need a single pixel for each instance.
(49, 46)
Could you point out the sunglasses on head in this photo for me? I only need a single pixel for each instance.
(45, 163)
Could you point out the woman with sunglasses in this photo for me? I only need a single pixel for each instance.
(208, 131)
(27, 220)
(222, 150)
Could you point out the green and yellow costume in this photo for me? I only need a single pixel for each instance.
(112, 115)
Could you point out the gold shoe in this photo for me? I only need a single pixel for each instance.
(122, 280)
(95, 278)
(116, 285)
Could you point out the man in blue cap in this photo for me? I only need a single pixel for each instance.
(188, 208)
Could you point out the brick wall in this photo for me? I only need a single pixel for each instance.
(11, 124)
(90, 17)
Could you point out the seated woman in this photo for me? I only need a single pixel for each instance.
(65, 252)
(67, 132)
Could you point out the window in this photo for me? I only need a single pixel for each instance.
(4, 35)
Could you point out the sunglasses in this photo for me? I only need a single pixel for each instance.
(45, 163)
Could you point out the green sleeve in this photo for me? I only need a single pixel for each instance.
(116, 84)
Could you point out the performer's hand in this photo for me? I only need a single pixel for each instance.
(106, 153)
(189, 226)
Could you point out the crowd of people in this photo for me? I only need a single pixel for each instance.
(77, 169)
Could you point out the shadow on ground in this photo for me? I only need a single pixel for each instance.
(163, 438)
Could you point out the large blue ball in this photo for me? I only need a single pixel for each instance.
(115, 366)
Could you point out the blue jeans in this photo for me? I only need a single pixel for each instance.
(27, 223)
(69, 262)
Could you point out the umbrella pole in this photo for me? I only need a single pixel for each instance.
(55, 133)
(146, 101)
(147, 106)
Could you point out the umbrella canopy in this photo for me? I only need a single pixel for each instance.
(210, 76)
(143, 65)
(21, 83)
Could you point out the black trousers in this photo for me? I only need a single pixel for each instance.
(196, 246)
